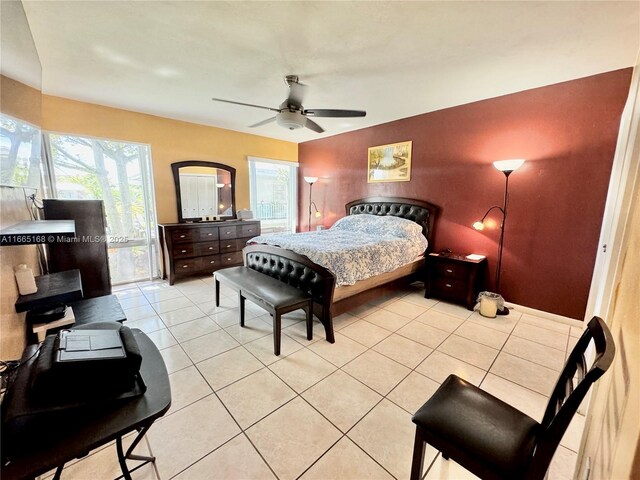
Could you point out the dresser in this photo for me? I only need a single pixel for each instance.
(454, 278)
(203, 248)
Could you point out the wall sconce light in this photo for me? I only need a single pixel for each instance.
(311, 181)
(506, 167)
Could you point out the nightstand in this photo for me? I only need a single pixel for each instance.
(454, 278)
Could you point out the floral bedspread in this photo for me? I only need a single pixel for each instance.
(357, 246)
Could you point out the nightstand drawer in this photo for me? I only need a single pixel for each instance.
(450, 287)
(452, 270)
(454, 278)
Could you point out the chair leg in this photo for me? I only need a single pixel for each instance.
(418, 456)
(309, 312)
(276, 333)
(241, 309)
(217, 293)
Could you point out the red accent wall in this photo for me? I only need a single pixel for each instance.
(567, 133)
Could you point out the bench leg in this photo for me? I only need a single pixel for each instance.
(276, 333)
(217, 292)
(241, 309)
(309, 312)
(327, 321)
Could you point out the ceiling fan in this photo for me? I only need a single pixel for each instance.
(291, 114)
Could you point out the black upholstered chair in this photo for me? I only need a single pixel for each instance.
(494, 440)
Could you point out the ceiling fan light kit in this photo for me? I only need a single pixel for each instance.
(291, 114)
(291, 120)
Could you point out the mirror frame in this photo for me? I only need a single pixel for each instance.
(175, 167)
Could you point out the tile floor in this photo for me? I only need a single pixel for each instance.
(322, 411)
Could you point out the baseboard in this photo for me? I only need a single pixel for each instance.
(549, 316)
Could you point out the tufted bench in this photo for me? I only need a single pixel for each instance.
(281, 281)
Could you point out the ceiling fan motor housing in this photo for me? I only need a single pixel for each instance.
(291, 120)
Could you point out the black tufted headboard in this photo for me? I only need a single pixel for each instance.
(421, 212)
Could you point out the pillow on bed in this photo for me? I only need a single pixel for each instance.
(383, 225)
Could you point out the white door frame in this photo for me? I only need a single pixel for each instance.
(622, 185)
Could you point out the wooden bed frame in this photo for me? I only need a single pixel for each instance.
(348, 297)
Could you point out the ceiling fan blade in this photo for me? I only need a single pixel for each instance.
(245, 104)
(314, 126)
(263, 122)
(319, 112)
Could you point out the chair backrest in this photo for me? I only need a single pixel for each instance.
(572, 386)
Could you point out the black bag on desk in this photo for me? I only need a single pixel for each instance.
(87, 365)
(44, 393)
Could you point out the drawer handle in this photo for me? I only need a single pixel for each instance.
(250, 230)
(209, 234)
(182, 236)
(448, 270)
(228, 246)
(210, 248)
(448, 285)
(185, 266)
(183, 251)
(212, 261)
(228, 258)
(227, 233)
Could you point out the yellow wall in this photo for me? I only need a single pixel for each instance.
(19, 100)
(170, 140)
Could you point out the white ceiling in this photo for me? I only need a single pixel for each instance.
(392, 59)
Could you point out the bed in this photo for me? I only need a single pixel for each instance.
(355, 291)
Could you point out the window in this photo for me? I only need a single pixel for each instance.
(274, 194)
(19, 153)
(119, 174)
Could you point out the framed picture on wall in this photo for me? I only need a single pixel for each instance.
(390, 163)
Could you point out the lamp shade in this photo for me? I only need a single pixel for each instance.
(478, 226)
(311, 180)
(508, 165)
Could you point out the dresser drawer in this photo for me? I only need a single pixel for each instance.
(184, 235)
(452, 270)
(206, 234)
(183, 250)
(228, 259)
(187, 265)
(210, 263)
(207, 248)
(228, 232)
(249, 230)
(231, 245)
(450, 287)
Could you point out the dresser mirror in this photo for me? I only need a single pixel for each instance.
(205, 191)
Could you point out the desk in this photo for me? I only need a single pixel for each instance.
(90, 429)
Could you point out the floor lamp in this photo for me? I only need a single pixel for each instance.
(506, 167)
(311, 181)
